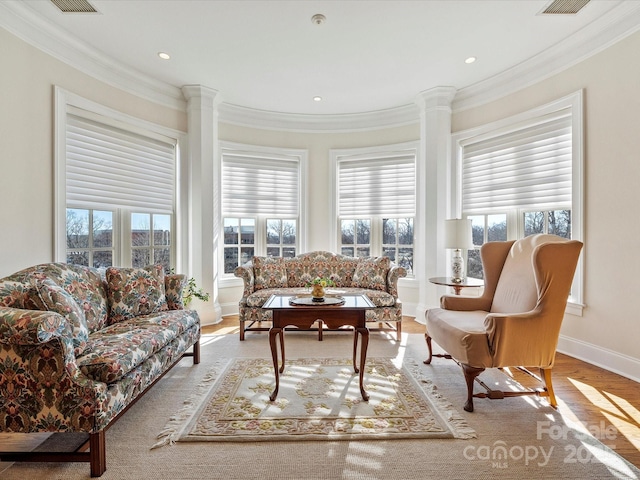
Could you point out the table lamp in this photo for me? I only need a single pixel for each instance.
(458, 236)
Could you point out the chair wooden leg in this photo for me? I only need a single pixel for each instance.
(428, 340)
(98, 453)
(470, 374)
(241, 330)
(399, 330)
(545, 374)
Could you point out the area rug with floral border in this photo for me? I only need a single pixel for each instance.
(318, 399)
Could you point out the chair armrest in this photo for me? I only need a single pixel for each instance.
(395, 272)
(526, 339)
(465, 304)
(245, 272)
(174, 284)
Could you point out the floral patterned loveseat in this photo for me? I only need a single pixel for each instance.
(375, 277)
(78, 346)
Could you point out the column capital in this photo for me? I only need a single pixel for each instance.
(437, 97)
(205, 94)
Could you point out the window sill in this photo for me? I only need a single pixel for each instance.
(574, 308)
(230, 282)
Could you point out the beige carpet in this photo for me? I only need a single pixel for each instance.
(318, 399)
(517, 438)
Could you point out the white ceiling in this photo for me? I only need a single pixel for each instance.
(367, 56)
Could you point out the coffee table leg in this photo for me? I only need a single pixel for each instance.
(355, 348)
(363, 359)
(274, 355)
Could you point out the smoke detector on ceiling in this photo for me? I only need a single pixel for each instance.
(318, 19)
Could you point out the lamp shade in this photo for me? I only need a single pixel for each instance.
(458, 233)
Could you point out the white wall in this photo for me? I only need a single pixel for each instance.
(608, 332)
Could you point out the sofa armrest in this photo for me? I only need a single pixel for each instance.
(395, 272)
(245, 272)
(32, 327)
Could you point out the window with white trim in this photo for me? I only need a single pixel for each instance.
(523, 176)
(376, 202)
(116, 185)
(261, 202)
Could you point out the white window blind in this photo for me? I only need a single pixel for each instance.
(260, 185)
(528, 167)
(377, 186)
(110, 167)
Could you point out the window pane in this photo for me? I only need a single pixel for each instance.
(161, 229)
(273, 251)
(474, 264)
(288, 252)
(405, 259)
(78, 258)
(140, 227)
(77, 229)
(363, 252)
(388, 231)
(477, 229)
(246, 254)
(163, 257)
(231, 229)
(348, 251)
(102, 259)
(347, 227)
(273, 231)
(247, 231)
(289, 232)
(389, 252)
(496, 228)
(102, 229)
(533, 223)
(140, 257)
(405, 231)
(230, 259)
(363, 232)
(560, 223)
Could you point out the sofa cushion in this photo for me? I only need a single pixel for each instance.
(57, 299)
(120, 348)
(269, 272)
(86, 286)
(174, 287)
(372, 273)
(18, 294)
(132, 292)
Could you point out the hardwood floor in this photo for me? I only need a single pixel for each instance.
(602, 401)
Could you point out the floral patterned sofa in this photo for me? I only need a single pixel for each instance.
(78, 346)
(375, 277)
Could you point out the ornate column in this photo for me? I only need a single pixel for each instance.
(203, 196)
(433, 185)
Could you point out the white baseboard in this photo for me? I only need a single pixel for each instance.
(601, 357)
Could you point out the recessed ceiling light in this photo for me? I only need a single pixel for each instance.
(317, 98)
(164, 55)
(470, 60)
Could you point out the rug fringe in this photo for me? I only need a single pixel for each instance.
(171, 431)
(459, 425)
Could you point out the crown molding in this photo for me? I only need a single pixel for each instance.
(22, 21)
(338, 123)
(592, 39)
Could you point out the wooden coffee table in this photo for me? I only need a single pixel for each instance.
(350, 313)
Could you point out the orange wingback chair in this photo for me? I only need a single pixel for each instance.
(516, 322)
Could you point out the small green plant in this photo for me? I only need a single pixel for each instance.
(325, 282)
(192, 291)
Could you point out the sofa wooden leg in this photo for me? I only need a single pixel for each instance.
(241, 330)
(196, 353)
(428, 340)
(545, 373)
(98, 453)
(470, 374)
(399, 330)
